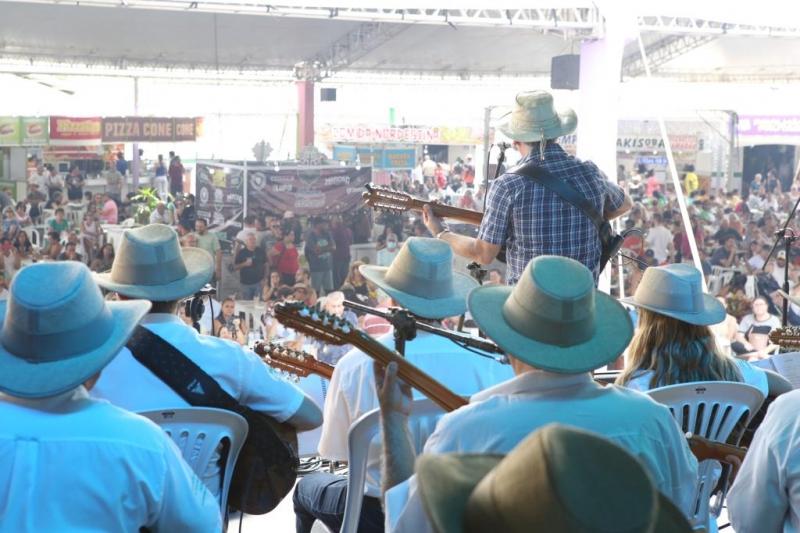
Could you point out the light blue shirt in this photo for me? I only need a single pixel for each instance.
(72, 463)
(751, 375)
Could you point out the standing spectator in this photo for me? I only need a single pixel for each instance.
(387, 254)
(291, 221)
(75, 182)
(160, 183)
(284, 258)
(188, 214)
(114, 181)
(319, 252)
(109, 213)
(210, 243)
(251, 262)
(176, 171)
(469, 172)
(343, 239)
(690, 181)
(659, 239)
(651, 183)
(54, 182)
(122, 165)
(467, 201)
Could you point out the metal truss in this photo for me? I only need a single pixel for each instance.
(349, 48)
(685, 25)
(662, 51)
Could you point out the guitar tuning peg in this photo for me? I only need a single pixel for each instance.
(304, 312)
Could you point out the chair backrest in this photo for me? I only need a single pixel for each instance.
(424, 415)
(199, 432)
(33, 235)
(714, 410)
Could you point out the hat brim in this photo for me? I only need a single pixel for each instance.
(446, 482)
(712, 313)
(26, 379)
(567, 122)
(433, 308)
(613, 332)
(199, 268)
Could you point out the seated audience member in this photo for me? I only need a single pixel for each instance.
(557, 479)
(556, 328)
(272, 289)
(725, 256)
(333, 303)
(495, 277)
(421, 265)
(759, 322)
(22, 215)
(161, 215)
(725, 331)
(364, 291)
(23, 245)
(53, 250)
(90, 235)
(109, 213)
(12, 259)
(151, 265)
(69, 462)
(765, 497)
(70, 253)
(232, 325)
(10, 223)
(58, 224)
(673, 341)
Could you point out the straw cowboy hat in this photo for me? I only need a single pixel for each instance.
(151, 264)
(58, 331)
(422, 280)
(557, 479)
(554, 318)
(677, 291)
(535, 119)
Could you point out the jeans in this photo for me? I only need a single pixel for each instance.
(249, 292)
(322, 282)
(322, 497)
(340, 270)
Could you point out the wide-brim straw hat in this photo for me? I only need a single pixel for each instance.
(422, 280)
(534, 118)
(58, 331)
(151, 264)
(554, 318)
(557, 479)
(677, 291)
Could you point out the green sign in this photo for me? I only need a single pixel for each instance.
(10, 132)
(34, 131)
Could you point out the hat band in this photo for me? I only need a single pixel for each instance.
(554, 331)
(160, 273)
(59, 345)
(664, 296)
(423, 287)
(525, 119)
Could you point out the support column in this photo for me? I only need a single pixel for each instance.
(305, 118)
(136, 162)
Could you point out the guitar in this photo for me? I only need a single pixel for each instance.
(331, 329)
(703, 449)
(383, 198)
(294, 362)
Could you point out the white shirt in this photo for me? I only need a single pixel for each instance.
(658, 239)
(72, 463)
(497, 419)
(128, 384)
(243, 233)
(766, 494)
(749, 321)
(756, 262)
(158, 218)
(751, 375)
(352, 390)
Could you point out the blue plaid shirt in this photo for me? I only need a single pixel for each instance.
(531, 221)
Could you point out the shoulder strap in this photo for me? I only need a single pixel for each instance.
(561, 188)
(179, 372)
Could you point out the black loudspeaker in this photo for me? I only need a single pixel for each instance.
(565, 72)
(327, 95)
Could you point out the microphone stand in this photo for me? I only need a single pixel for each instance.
(406, 321)
(788, 236)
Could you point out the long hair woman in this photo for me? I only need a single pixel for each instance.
(227, 325)
(673, 342)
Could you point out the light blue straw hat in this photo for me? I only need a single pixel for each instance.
(554, 318)
(151, 264)
(58, 331)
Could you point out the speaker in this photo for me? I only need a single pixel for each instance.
(565, 72)
(327, 95)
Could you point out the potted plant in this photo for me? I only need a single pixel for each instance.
(146, 202)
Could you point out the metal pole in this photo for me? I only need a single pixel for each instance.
(487, 121)
(136, 166)
(733, 153)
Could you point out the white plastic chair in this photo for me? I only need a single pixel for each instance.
(33, 236)
(714, 410)
(424, 415)
(198, 432)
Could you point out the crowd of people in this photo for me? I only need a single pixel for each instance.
(531, 441)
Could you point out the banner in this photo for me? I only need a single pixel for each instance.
(86, 130)
(34, 131)
(219, 196)
(385, 134)
(148, 129)
(305, 191)
(10, 133)
(377, 158)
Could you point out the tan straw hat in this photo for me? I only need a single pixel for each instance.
(534, 118)
(558, 479)
(554, 318)
(151, 264)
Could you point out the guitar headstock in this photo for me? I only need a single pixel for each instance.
(387, 199)
(787, 337)
(316, 323)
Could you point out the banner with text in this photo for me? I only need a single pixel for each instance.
(220, 196)
(377, 158)
(34, 131)
(10, 131)
(305, 190)
(148, 129)
(75, 130)
(385, 134)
